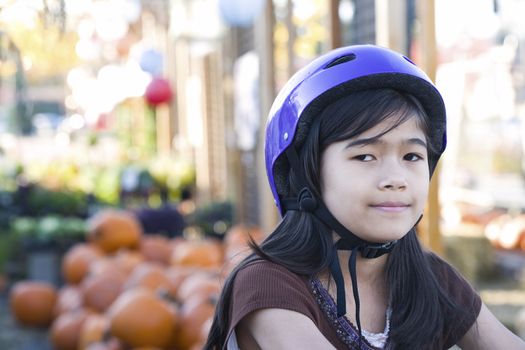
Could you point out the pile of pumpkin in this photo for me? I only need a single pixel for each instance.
(503, 229)
(128, 290)
(507, 231)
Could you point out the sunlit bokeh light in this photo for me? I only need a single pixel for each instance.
(346, 11)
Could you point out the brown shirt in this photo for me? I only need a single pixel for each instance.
(263, 284)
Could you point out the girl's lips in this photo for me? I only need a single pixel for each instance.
(391, 206)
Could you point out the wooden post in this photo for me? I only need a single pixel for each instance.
(290, 27)
(429, 227)
(264, 46)
(164, 129)
(391, 24)
(335, 24)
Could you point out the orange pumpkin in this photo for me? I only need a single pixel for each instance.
(512, 233)
(94, 330)
(101, 290)
(233, 256)
(65, 330)
(198, 346)
(199, 253)
(127, 260)
(110, 344)
(112, 229)
(193, 314)
(69, 298)
(506, 232)
(199, 285)
(236, 245)
(206, 327)
(177, 275)
(150, 276)
(101, 265)
(77, 261)
(239, 235)
(156, 248)
(494, 228)
(139, 318)
(32, 303)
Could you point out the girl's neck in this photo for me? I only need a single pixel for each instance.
(370, 272)
(372, 286)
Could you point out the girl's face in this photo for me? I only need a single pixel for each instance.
(377, 188)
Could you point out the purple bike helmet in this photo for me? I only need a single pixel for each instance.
(332, 76)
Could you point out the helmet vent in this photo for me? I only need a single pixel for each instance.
(409, 60)
(342, 59)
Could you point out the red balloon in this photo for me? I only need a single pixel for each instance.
(158, 91)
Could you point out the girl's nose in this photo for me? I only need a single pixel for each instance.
(393, 182)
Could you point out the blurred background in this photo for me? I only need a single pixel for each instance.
(144, 120)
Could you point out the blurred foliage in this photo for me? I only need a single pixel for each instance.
(34, 41)
(37, 201)
(213, 219)
(48, 228)
(45, 200)
(33, 216)
(61, 186)
(7, 246)
(7, 208)
(26, 234)
(172, 174)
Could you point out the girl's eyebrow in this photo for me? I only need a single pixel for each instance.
(378, 140)
(416, 141)
(364, 142)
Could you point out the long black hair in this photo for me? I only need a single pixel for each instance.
(305, 246)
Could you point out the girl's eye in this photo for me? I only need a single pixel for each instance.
(365, 157)
(412, 157)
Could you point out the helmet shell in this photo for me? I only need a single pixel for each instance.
(330, 77)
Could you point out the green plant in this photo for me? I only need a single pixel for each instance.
(213, 219)
(50, 228)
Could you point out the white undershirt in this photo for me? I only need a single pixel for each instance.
(379, 339)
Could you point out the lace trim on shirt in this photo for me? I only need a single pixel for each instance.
(343, 327)
(379, 339)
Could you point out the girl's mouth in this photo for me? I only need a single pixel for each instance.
(394, 207)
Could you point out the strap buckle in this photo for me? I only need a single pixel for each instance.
(306, 200)
(372, 251)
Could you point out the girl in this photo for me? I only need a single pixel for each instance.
(351, 143)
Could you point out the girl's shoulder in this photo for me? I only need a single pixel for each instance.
(263, 276)
(260, 264)
(466, 302)
(447, 275)
(262, 284)
(442, 269)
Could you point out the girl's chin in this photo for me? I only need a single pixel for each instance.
(383, 237)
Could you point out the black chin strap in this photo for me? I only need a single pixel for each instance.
(369, 251)
(306, 201)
